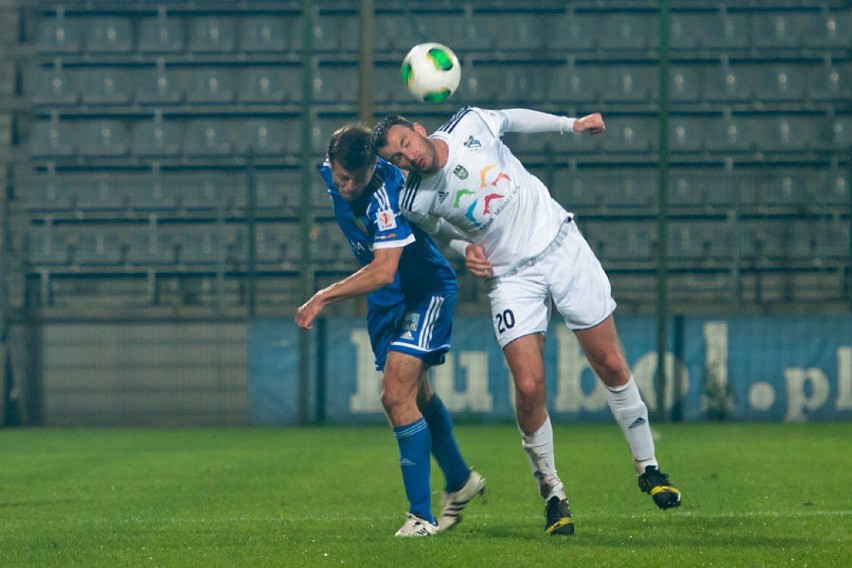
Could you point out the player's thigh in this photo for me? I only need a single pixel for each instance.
(520, 306)
(579, 286)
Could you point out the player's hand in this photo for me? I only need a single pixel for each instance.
(476, 261)
(307, 312)
(590, 124)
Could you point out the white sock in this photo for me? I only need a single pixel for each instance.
(539, 449)
(630, 412)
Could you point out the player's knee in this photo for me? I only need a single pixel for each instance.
(530, 389)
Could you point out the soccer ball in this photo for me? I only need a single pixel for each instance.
(431, 72)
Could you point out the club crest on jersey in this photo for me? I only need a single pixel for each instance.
(386, 220)
(411, 321)
(460, 172)
(473, 144)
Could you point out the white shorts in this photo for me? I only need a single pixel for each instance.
(567, 274)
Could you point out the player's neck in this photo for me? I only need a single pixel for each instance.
(442, 152)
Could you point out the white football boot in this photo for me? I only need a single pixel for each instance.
(415, 526)
(455, 502)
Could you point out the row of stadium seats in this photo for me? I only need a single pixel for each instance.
(177, 193)
(200, 138)
(468, 31)
(586, 191)
(177, 245)
(277, 246)
(483, 83)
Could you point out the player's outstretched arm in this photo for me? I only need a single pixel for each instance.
(370, 278)
(590, 124)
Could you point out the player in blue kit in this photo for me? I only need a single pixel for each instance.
(411, 294)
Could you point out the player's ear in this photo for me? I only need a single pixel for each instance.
(419, 129)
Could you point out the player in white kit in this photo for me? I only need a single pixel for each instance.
(533, 256)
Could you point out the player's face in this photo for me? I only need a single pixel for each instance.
(410, 149)
(351, 183)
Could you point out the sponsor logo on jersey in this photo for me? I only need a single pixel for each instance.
(386, 220)
(410, 322)
(460, 172)
(473, 144)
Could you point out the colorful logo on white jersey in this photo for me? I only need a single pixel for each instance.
(386, 220)
(460, 172)
(485, 181)
(473, 144)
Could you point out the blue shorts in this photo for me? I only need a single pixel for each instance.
(421, 327)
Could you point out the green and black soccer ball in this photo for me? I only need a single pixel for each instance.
(431, 72)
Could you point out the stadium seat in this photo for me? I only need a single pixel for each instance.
(263, 137)
(687, 240)
(832, 188)
(47, 246)
(629, 136)
(828, 30)
(831, 240)
(52, 139)
(686, 135)
(201, 244)
(574, 84)
(465, 33)
(108, 35)
(163, 34)
(333, 33)
(45, 194)
(779, 83)
(730, 136)
(98, 247)
(728, 84)
(831, 83)
(150, 247)
(575, 189)
(685, 83)
(58, 35)
(633, 84)
(620, 242)
(98, 193)
(574, 33)
(156, 139)
(329, 248)
(275, 192)
(784, 134)
(624, 32)
(263, 34)
(211, 86)
(104, 138)
(777, 30)
(633, 189)
(158, 86)
(207, 137)
(687, 30)
(724, 31)
(687, 187)
(841, 133)
(54, 86)
(528, 84)
(387, 85)
(523, 31)
(336, 84)
(204, 192)
(212, 34)
(153, 193)
(106, 86)
(270, 85)
(783, 188)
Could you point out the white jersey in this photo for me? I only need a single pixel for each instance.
(485, 192)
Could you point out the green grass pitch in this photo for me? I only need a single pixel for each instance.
(754, 495)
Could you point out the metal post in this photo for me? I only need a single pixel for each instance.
(662, 211)
(305, 212)
(365, 63)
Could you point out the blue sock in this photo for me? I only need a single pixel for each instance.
(444, 446)
(414, 441)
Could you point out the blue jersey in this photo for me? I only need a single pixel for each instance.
(374, 221)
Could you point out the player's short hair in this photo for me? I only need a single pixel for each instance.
(380, 130)
(351, 147)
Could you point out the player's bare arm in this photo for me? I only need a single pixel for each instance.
(590, 124)
(370, 278)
